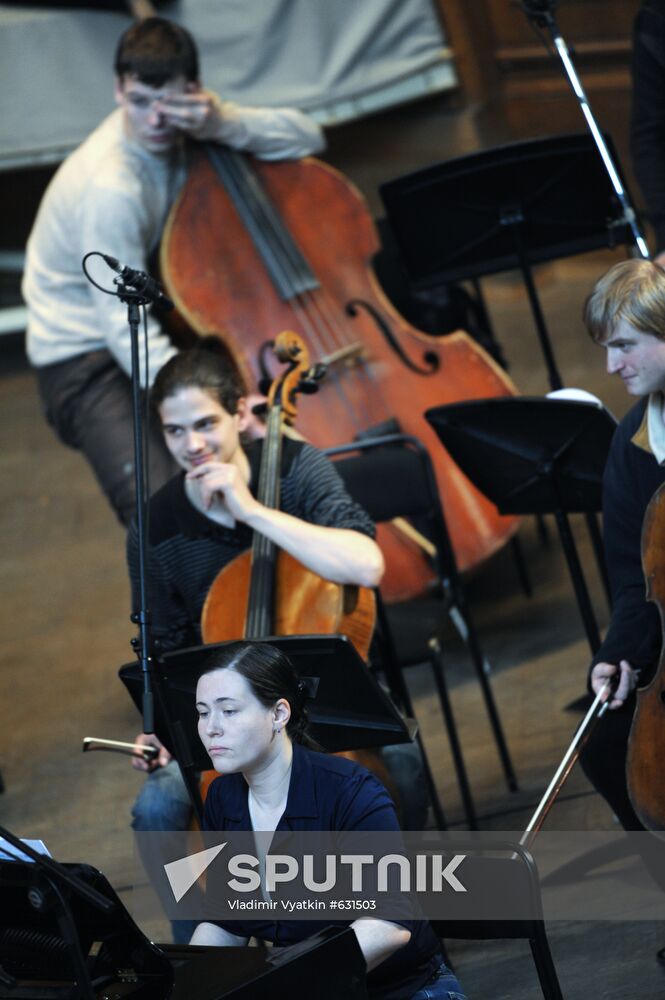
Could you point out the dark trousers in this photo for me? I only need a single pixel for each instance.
(87, 400)
(603, 760)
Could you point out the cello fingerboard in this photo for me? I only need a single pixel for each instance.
(261, 602)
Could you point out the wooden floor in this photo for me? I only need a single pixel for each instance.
(64, 596)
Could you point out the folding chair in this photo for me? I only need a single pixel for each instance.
(392, 476)
(504, 877)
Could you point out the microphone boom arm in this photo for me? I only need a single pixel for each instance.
(541, 13)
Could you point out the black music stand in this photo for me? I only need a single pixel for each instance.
(531, 455)
(328, 965)
(348, 709)
(503, 209)
(69, 949)
(51, 916)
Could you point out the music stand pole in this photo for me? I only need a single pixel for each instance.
(514, 218)
(577, 577)
(541, 13)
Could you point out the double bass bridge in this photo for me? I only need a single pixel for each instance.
(349, 356)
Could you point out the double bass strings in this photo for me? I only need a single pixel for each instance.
(295, 280)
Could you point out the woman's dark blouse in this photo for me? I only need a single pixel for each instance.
(328, 793)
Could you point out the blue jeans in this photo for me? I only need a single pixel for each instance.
(443, 985)
(163, 804)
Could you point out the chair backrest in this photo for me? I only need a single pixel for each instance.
(502, 898)
(392, 476)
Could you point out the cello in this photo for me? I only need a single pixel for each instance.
(267, 589)
(252, 247)
(646, 744)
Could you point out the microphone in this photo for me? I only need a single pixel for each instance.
(139, 280)
(541, 11)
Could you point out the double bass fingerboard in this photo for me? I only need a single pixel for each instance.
(288, 269)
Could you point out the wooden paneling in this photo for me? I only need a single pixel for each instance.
(501, 57)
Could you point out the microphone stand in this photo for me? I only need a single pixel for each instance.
(541, 14)
(135, 289)
(143, 644)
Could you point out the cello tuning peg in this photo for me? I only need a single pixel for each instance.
(309, 383)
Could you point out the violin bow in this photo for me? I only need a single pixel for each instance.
(584, 730)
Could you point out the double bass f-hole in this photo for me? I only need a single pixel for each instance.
(285, 263)
(431, 360)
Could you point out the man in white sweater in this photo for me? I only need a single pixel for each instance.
(113, 194)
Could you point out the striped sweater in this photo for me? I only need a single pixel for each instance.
(186, 550)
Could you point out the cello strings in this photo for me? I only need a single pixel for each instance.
(260, 603)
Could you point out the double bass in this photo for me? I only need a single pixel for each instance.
(251, 248)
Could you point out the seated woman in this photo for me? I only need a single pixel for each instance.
(252, 722)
